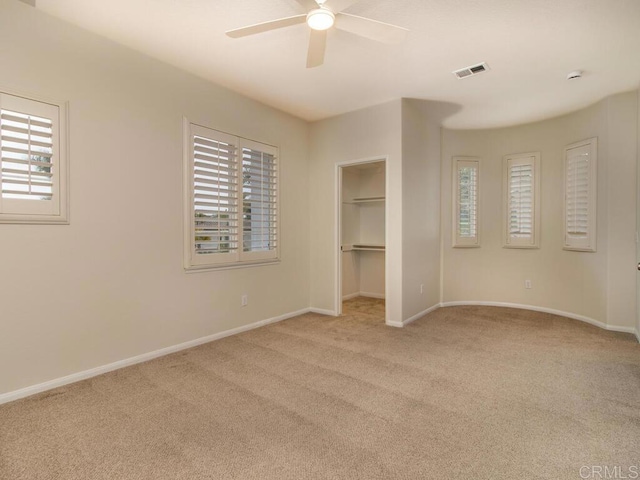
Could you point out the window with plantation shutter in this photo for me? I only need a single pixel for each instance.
(259, 196)
(231, 210)
(33, 168)
(580, 171)
(466, 173)
(522, 200)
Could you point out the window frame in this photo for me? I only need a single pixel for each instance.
(458, 241)
(226, 260)
(533, 240)
(56, 210)
(588, 243)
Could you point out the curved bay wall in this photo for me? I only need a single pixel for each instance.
(599, 286)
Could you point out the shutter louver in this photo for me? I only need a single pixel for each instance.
(215, 204)
(27, 170)
(465, 200)
(521, 201)
(259, 200)
(231, 200)
(580, 195)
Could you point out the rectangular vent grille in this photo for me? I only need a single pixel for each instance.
(472, 70)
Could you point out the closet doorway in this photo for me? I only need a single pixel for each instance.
(361, 213)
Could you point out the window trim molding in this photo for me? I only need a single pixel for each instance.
(62, 217)
(457, 242)
(188, 198)
(590, 244)
(534, 240)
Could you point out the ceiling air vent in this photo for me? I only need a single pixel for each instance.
(472, 70)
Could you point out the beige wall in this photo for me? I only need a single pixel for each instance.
(599, 286)
(350, 233)
(371, 133)
(363, 272)
(408, 133)
(421, 205)
(621, 213)
(111, 285)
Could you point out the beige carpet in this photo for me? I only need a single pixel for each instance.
(465, 393)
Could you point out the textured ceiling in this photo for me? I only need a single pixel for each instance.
(530, 46)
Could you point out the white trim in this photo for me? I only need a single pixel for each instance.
(371, 295)
(414, 317)
(322, 311)
(393, 323)
(145, 357)
(350, 296)
(362, 294)
(421, 314)
(596, 323)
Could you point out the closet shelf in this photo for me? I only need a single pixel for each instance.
(366, 200)
(362, 247)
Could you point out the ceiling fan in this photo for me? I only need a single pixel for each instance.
(321, 16)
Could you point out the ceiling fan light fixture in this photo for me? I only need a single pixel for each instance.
(320, 19)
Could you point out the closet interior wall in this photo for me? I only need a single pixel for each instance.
(363, 230)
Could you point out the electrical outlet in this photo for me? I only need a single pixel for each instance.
(527, 284)
(422, 288)
(244, 300)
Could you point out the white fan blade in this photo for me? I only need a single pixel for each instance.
(266, 26)
(338, 5)
(372, 29)
(308, 4)
(317, 45)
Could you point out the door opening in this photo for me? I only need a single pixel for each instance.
(362, 211)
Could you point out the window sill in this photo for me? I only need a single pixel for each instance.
(229, 266)
(34, 219)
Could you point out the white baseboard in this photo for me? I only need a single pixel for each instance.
(420, 314)
(394, 323)
(371, 295)
(350, 296)
(362, 294)
(322, 311)
(93, 372)
(76, 377)
(413, 318)
(592, 321)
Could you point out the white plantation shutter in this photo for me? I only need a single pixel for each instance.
(32, 166)
(259, 200)
(580, 168)
(522, 200)
(231, 207)
(466, 210)
(215, 197)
